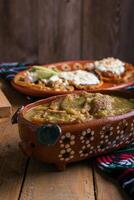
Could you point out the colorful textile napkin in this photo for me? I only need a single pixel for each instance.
(8, 70)
(119, 164)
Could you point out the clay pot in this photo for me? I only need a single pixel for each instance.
(66, 66)
(63, 144)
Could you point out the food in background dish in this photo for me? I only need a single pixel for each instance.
(79, 107)
(57, 80)
(113, 69)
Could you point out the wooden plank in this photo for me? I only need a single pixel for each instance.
(101, 26)
(126, 38)
(18, 31)
(12, 162)
(42, 182)
(16, 99)
(59, 30)
(5, 106)
(106, 188)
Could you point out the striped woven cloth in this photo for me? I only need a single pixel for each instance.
(8, 70)
(119, 164)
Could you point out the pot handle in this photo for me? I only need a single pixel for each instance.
(14, 119)
(48, 134)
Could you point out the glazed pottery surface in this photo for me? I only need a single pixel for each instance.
(62, 144)
(67, 66)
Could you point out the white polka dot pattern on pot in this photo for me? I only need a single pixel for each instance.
(87, 136)
(66, 154)
(83, 152)
(67, 140)
(86, 151)
(111, 136)
(132, 126)
(106, 132)
(122, 126)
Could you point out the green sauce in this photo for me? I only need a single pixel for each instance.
(80, 108)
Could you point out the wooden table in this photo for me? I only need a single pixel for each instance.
(28, 179)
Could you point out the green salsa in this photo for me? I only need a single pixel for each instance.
(79, 107)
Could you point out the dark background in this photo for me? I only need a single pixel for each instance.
(46, 31)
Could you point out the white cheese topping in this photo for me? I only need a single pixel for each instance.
(110, 64)
(31, 76)
(53, 78)
(80, 77)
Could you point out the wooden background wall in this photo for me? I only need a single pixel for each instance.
(45, 31)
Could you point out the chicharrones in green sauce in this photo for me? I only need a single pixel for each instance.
(79, 107)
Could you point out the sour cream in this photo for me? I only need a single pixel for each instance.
(110, 64)
(31, 77)
(80, 77)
